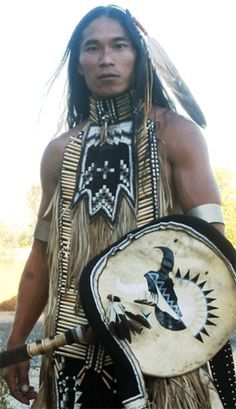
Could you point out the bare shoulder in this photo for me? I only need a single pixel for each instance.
(55, 148)
(181, 137)
(50, 170)
(53, 154)
(180, 126)
(185, 154)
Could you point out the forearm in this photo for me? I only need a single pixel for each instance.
(32, 294)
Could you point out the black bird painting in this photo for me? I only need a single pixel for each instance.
(161, 288)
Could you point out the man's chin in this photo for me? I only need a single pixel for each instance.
(109, 93)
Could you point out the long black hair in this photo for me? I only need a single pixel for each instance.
(78, 92)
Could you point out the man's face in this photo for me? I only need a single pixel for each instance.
(107, 58)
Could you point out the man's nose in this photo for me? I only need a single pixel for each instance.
(107, 57)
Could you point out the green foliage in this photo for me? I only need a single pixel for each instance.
(33, 200)
(11, 239)
(24, 238)
(8, 305)
(8, 237)
(226, 181)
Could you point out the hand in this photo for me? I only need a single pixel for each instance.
(17, 378)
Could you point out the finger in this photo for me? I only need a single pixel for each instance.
(24, 384)
(17, 394)
(31, 393)
(12, 377)
(23, 397)
(23, 376)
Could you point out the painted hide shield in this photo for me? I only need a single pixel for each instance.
(163, 298)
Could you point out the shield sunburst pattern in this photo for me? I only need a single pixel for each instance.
(196, 302)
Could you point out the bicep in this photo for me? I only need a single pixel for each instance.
(50, 169)
(193, 178)
(194, 185)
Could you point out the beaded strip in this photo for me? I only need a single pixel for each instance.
(69, 391)
(224, 376)
(148, 175)
(66, 299)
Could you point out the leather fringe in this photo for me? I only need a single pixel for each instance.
(84, 236)
(182, 392)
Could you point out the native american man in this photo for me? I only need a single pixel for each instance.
(121, 123)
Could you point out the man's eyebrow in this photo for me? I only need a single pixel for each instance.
(96, 41)
(121, 38)
(90, 41)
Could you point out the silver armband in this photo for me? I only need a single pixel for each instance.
(42, 230)
(210, 212)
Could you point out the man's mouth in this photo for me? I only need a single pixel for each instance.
(107, 76)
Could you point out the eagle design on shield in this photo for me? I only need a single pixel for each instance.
(166, 295)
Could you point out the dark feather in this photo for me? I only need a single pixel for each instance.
(123, 322)
(139, 318)
(168, 72)
(123, 329)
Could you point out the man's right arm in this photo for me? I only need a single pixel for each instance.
(31, 300)
(33, 288)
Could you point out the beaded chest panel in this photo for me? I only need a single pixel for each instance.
(106, 171)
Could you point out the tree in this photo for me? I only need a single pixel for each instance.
(33, 199)
(8, 236)
(226, 182)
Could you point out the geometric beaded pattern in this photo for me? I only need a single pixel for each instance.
(147, 210)
(149, 177)
(70, 376)
(66, 299)
(115, 110)
(106, 171)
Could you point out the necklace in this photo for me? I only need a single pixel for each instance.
(113, 110)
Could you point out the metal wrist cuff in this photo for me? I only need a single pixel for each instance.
(42, 230)
(210, 212)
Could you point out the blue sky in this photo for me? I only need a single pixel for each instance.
(198, 35)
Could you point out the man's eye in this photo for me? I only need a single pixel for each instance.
(121, 45)
(91, 48)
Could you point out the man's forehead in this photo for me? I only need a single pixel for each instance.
(104, 28)
(95, 40)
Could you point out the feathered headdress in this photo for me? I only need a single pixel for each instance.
(168, 73)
